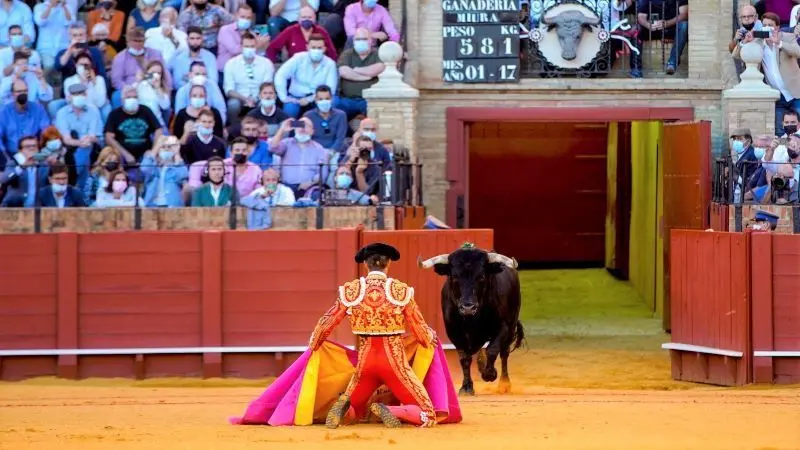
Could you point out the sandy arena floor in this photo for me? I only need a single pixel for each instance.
(84, 417)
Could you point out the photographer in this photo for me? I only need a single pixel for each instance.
(780, 172)
(365, 171)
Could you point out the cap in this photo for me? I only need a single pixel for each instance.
(764, 216)
(741, 132)
(76, 89)
(377, 248)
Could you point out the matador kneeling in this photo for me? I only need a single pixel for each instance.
(380, 310)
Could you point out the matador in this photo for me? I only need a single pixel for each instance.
(380, 310)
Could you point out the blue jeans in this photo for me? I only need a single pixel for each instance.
(351, 106)
(681, 38)
(294, 110)
(82, 164)
(173, 3)
(276, 25)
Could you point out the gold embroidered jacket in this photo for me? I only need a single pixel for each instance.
(376, 306)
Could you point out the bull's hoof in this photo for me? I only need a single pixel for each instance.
(466, 390)
(481, 360)
(490, 374)
(504, 386)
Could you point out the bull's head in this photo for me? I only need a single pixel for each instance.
(469, 272)
(570, 26)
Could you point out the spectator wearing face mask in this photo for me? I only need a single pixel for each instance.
(214, 98)
(132, 128)
(59, 194)
(303, 161)
(24, 175)
(183, 62)
(294, 39)
(372, 16)
(17, 44)
(164, 174)
(260, 155)
(108, 161)
(743, 158)
(96, 89)
(81, 126)
(100, 42)
(268, 111)
(130, 66)
(145, 16)
(359, 68)
(284, 13)
(166, 38)
(106, 13)
(298, 78)
(214, 192)
(16, 12)
(186, 119)
(37, 88)
(209, 18)
(20, 118)
(52, 149)
(757, 184)
(120, 193)
(271, 192)
(201, 144)
(789, 122)
(244, 74)
(79, 43)
(153, 91)
(364, 169)
(344, 191)
(330, 124)
(748, 21)
(367, 127)
(230, 37)
(247, 175)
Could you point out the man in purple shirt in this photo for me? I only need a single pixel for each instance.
(372, 16)
(303, 161)
(130, 63)
(230, 36)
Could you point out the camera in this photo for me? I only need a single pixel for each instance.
(364, 153)
(780, 183)
(761, 34)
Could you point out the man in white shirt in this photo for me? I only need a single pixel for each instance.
(298, 78)
(17, 41)
(243, 76)
(166, 38)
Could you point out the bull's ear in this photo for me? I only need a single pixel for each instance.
(442, 269)
(494, 268)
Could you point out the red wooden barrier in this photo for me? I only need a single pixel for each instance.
(710, 307)
(776, 308)
(427, 284)
(209, 296)
(719, 217)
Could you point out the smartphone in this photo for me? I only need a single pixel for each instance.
(762, 34)
(654, 17)
(298, 124)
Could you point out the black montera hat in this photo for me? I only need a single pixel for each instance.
(377, 248)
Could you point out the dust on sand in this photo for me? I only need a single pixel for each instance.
(87, 417)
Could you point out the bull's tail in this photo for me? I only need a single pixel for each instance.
(519, 336)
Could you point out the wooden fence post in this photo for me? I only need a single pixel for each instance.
(67, 302)
(211, 299)
(761, 301)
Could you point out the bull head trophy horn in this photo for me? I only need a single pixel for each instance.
(430, 262)
(498, 258)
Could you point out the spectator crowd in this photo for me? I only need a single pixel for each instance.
(766, 168)
(170, 103)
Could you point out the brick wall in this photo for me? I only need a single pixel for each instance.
(84, 220)
(784, 213)
(710, 71)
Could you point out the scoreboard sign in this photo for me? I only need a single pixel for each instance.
(481, 41)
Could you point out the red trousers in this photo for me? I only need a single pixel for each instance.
(382, 360)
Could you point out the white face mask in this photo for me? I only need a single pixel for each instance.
(199, 80)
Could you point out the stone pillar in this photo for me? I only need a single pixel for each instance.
(392, 102)
(751, 103)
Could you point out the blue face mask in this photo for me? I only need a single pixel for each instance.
(59, 188)
(315, 54)
(370, 3)
(369, 134)
(302, 137)
(760, 152)
(343, 181)
(243, 24)
(166, 155)
(361, 45)
(249, 52)
(324, 105)
(737, 146)
(17, 40)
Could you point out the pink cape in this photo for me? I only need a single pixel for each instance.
(304, 393)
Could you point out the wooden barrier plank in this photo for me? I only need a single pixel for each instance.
(762, 301)
(211, 300)
(67, 328)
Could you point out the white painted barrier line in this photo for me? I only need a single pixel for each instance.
(778, 353)
(701, 349)
(163, 351)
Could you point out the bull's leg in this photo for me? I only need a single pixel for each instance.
(489, 373)
(466, 362)
(504, 386)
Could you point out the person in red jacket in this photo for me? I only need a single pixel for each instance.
(295, 37)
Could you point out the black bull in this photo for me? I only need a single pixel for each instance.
(480, 303)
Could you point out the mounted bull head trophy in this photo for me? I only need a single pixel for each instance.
(570, 26)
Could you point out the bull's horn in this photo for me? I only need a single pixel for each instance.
(428, 263)
(590, 20)
(498, 258)
(547, 20)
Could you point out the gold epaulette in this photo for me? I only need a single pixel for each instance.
(352, 292)
(398, 293)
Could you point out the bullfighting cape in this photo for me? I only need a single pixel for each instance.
(304, 393)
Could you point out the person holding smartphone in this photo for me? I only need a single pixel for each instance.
(303, 160)
(24, 175)
(665, 19)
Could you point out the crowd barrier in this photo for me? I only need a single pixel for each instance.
(734, 307)
(188, 303)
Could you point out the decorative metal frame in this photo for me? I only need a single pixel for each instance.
(535, 64)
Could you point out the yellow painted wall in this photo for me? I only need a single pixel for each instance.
(611, 195)
(644, 235)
